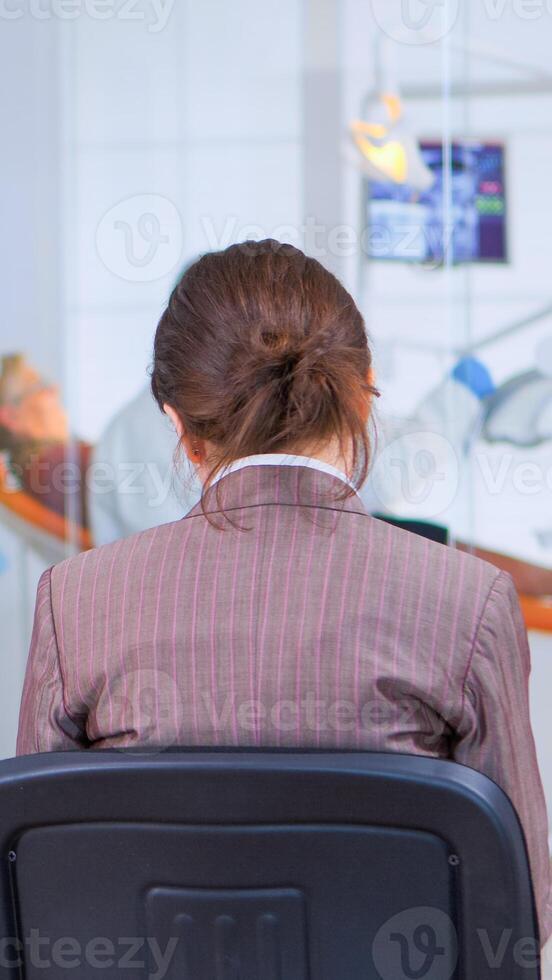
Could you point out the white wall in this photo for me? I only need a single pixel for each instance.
(206, 114)
(29, 198)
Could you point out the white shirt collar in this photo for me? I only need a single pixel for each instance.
(284, 459)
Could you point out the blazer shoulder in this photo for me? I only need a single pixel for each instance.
(123, 550)
(431, 561)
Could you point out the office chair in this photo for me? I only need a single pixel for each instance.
(268, 865)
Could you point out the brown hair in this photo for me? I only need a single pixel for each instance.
(261, 349)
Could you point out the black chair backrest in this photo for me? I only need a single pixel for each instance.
(425, 529)
(244, 865)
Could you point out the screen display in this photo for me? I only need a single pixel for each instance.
(413, 226)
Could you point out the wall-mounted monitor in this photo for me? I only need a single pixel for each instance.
(407, 225)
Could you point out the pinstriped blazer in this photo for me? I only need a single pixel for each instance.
(302, 622)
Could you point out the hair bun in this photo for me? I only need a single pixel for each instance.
(268, 352)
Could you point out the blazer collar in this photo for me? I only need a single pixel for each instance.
(290, 484)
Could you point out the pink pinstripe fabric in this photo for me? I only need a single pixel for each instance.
(108, 648)
(317, 625)
(290, 563)
(301, 633)
(123, 634)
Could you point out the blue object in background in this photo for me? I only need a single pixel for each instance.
(4, 563)
(475, 376)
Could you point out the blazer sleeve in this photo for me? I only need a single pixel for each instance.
(495, 733)
(44, 722)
